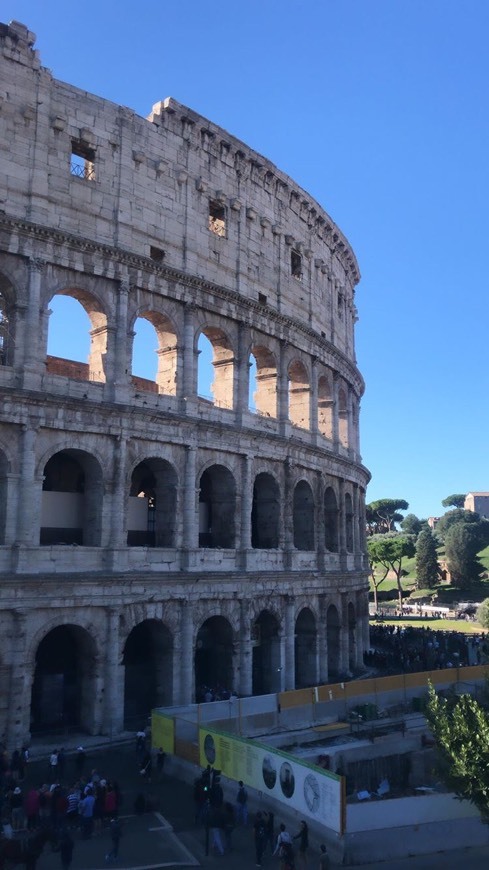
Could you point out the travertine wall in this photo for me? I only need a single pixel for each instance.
(252, 570)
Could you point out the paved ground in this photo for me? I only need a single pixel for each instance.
(168, 838)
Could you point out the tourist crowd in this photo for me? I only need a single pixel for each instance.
(398, 649)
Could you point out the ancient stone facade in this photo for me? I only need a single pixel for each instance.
(153, 540)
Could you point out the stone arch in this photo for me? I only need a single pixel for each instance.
(303, 516)
(265, 513)
(343, 434)
(217, 507)
(325, 407)
(331, 524)
(64, 686)
(72, 499)
(349, 523)
(267, 665)
(333, 634)
(148, 671)
(265, 395)
(306, 657)
(221, 390)
(299, 390)
(166, 350)
(214, 651)
(152, 508)
(95, 369)
(352, 637)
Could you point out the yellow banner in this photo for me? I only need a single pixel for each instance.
(163, 733)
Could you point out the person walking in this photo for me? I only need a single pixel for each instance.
(283, 847)
(270, 826)
(260, 835)
(66, 846)
(324, 862)
(242, 805)
(85, 809)
(115, 831)
(303, 837)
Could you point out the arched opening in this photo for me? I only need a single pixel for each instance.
(217, 505)
(64, 686)
(214, 652)
(4, 467)
(77, 337)
(303, 516)
(265, 636)
(152, 508)
(265, 513)
(71, 511)
(330, 521)
(264, 397)
(7, 323)
(333, 629)
(215, 373)
(325, 407)
(343, 417)
(305, 650)
(148, 671)
(349, 522)
(352, 638)
(299, 395)
(154, 354)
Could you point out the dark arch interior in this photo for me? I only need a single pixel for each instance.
(72, 499)
(305, 650)
(265, 513)
(214, 658)
(148, 675)
(303, 517)
(217, 499)
(333, 636)
(152, 505)
(266, 654)
(62, 691)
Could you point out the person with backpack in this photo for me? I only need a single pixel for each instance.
(283, 848)
(260, 835)
(242, 805)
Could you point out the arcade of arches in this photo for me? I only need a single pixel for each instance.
(172, 659)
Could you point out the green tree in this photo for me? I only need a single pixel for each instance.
(377, 578)
(456, 516)
(383, 514)
(462, 543)
(427, 567)
(483, 613)
(411, 525)
(388, 551)
(461, 730)
(457, 500)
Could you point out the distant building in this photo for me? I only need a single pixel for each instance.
(477, 502)
(433, 522)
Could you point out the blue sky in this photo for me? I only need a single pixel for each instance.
(379, 109)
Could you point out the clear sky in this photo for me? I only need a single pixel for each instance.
(378, 108)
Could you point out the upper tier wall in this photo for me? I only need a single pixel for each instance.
(151, 184)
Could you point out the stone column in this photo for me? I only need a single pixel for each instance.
(245, 651)
(320, 543)
(188, 382)
(21, 678)
(33, 316)
(289, 658)
(342, 524)
(187, 654)
(288, 514)
(190, 528)
(242, 374)
(246, 504)
(356, 529)
(344, 638)
(120, 495)
(119, 366)
(313, 409)
(30, 490)
(113, 718)
(283, 387)
(323, 642)
(336, 416)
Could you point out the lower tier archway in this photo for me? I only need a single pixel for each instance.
(63, 691)
(214, 658)
(266, 654)
(148, 675)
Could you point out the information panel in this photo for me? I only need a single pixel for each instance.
(163, 732)
(314, 793)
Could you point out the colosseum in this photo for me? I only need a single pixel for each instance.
(158, 536)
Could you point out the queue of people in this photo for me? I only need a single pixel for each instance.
(399, 649)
